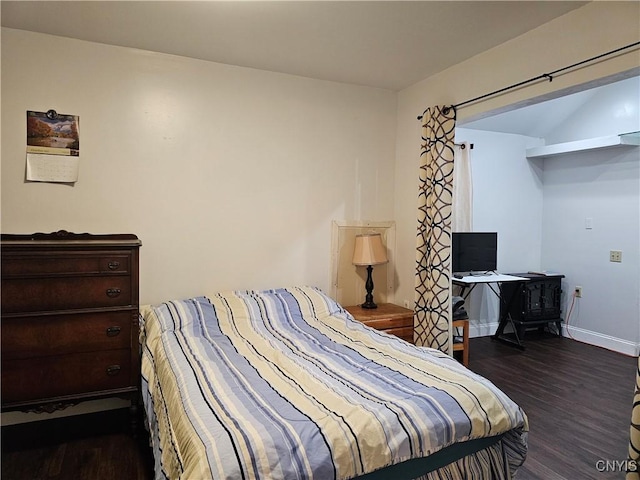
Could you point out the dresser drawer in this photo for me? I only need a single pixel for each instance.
(48, 264)
(37, 336)
(405, 333)
(386, 323)
(64, 293)
(80, 373)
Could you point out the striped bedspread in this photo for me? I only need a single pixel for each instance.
(284, 384)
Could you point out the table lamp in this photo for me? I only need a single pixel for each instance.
(369, 251)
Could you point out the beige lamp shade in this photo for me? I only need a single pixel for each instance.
(369, 250)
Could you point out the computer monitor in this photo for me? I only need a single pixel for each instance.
(474, 251)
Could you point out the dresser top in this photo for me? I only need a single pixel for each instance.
(62, 237)
(388, 310)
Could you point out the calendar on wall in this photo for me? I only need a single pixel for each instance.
(53, 147)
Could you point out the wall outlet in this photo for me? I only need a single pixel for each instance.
(615, 256)
(578, 291)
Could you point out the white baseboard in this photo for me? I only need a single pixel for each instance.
(477, 329)
(90, 406)
(619, 345)
(626, 347)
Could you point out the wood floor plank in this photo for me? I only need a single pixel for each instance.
(53, 464)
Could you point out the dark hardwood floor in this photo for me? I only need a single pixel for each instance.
(577, 398)
(97, 446)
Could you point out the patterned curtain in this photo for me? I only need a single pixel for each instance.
(432, 319)
(634, 436)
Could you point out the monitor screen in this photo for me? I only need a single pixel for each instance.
(474, 251)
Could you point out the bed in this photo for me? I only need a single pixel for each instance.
(285, 384)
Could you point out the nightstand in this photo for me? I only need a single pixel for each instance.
(387, 317)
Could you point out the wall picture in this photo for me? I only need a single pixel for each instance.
(52, 133)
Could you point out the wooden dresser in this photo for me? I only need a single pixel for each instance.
(387, 317)
(69, 319)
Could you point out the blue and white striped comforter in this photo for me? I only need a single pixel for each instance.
(284, 384)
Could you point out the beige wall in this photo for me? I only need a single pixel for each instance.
(262, 161)
(230, 176)
(588, 31)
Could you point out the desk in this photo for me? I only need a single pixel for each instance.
(471, 281)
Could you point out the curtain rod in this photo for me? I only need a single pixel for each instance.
(548, 76)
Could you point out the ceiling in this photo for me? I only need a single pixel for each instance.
(384, 44)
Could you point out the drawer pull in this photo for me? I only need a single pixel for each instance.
(114, 265)
(113, 370)
(113, 292)
(113, 331)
